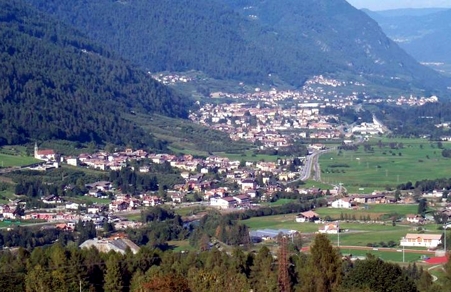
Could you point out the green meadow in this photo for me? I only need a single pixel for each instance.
(7, 160)
(395, 256)
(382, 167)
(354, 234)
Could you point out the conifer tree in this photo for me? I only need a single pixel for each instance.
(323, 271)
(113, 276)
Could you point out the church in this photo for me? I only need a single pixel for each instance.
(44, 154)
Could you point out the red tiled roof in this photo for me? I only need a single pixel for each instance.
(46, 152)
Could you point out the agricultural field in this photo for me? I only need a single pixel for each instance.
(375, 211)
(354, 234)
(385, 164)
(392, 256)
(7, 160)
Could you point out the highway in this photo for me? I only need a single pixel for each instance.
(311, 162)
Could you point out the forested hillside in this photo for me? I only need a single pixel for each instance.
(345, 35)
(425, 36)
(431, 119)
(256, 41)
(57, 84)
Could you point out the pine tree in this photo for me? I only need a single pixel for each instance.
(113, 276)
(262, 276)
(323, 272)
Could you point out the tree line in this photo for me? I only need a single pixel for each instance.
(58, 268)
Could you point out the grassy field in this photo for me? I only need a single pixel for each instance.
(279, 202)
(418, 159)
(7, 160)
(374, 211)
(385, 255)
(316, 184)
(180, 245)
(355, 234)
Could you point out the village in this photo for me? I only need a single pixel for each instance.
(255, 183)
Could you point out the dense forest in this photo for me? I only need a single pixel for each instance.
(254, 41)
(57, 84)
(417, 121)
(58, 268)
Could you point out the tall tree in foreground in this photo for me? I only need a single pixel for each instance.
(262, 277)
(113, 276)
(323, 272)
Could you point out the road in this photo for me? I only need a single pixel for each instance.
(311, 162)
(434, 278)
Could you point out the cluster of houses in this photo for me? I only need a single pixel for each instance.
(353, 200)
(266, 124)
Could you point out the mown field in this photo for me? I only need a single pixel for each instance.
(395, 256)
(385, 166)
(354, 234)
(7, 160)
(375, 211)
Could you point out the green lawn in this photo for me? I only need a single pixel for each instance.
(279, 202)
(385, 255)
(354, 234)
(7, 160)
(180, 245)
(374, 211)
(417, 160)
(90, 200)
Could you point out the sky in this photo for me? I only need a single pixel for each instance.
(395, 4)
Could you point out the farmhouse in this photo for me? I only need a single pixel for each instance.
(371, 199)
(308, 216)
(223, 203)
(421, 240)
(242, 199)
(329, 228)
(412, 218)
(342, 203)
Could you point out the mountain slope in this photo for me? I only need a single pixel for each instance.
(56, 84)
(248, 40)
(425, 36)
(346, 34)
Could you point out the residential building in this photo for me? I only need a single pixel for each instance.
(223, 203)
(342, 203)
(308, 216)
(329, 228)
(421, 240)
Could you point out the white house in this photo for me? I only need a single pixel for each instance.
(223, 203)
(421, 240)
(242, 199)
(72, 161)
(72, 206)
(308, 216)
(412, 218)
(329, 228)
(248, 184)
(342, 203)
